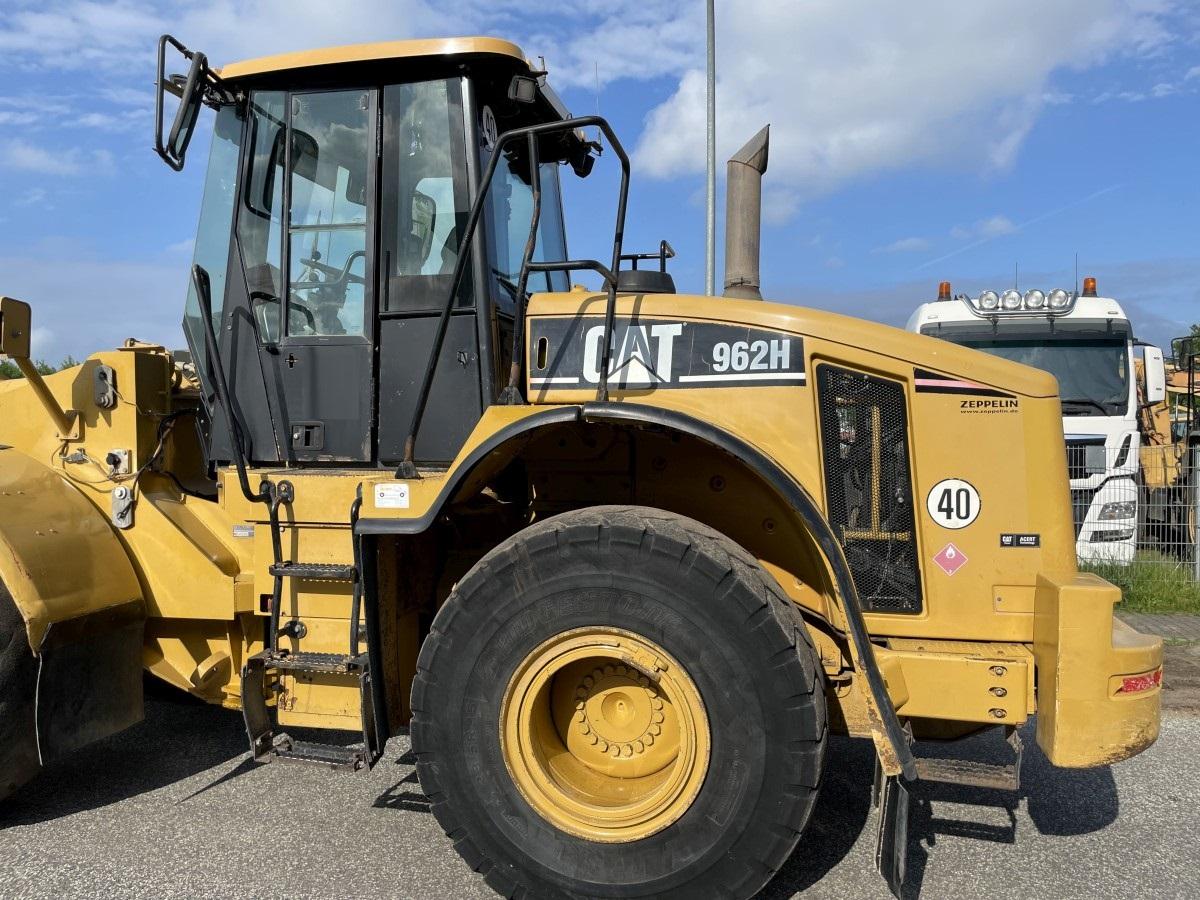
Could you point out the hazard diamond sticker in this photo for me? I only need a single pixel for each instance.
(950, 559)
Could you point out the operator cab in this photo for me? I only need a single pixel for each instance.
(335, 205)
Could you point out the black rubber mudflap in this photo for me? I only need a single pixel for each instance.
(18, 691)
(891, 848)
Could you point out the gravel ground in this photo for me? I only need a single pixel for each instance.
(172, 808)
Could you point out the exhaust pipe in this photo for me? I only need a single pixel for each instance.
(743, 208)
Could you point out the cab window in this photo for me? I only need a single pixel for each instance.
(425, 193)
(329, 163)
(509, 213)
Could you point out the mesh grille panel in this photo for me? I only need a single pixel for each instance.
(868, 484)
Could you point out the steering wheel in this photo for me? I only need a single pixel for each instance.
(266, 297)
(339, 278)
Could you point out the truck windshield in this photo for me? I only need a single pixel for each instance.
(1093, 374)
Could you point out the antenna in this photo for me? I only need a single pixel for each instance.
(1076, 271)
(596, 76)
(1016, 276)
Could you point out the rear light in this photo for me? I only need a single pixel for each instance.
(1134, 684)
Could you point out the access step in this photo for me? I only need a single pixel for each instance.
(260, 681)
(891, 798)
(332, 755)
(325, 663)
(968, 773)
(314, 571)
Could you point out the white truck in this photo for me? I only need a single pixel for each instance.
(1087, 342)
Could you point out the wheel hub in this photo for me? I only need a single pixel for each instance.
(604, 734)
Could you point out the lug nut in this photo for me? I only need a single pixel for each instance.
(1000, 692)
(998, 713)
(999, 671)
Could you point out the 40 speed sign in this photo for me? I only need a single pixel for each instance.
(953, 503)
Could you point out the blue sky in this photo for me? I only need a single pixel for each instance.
(910, 143)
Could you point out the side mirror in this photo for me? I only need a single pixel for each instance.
(191, 93)
(1155, 374)
(1183, 349)
(15, 318)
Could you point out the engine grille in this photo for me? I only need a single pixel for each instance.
(1077, 453)
(1076, 461)
(868, 485)
(1081, 502)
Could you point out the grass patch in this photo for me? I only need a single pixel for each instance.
(1152, 583)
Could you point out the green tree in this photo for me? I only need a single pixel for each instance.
(8, 368)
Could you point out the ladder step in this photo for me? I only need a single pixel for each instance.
(331, 663)
(331, 755)
(969, 773)
(315, 571)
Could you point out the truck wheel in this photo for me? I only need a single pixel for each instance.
(18, 690)
(621, 702)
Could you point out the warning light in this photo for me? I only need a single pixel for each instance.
(1134, 684)
(944, 290)
(1089, 286)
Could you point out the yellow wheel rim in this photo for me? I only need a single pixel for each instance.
(604, 734)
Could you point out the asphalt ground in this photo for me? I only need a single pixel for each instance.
(172, 808)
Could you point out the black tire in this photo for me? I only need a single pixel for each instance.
(18, 692)
(706, 602)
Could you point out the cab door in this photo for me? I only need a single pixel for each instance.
(426, 200)
(323, 359)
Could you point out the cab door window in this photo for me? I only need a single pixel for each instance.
(425, 193)
(329, 165)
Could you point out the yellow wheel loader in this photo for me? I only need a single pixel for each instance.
(619, 559)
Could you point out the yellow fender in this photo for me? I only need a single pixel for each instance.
(71, 581)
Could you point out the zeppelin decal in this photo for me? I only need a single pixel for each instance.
(933, 383)
(567, 353)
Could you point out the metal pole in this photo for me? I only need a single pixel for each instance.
(1195, 511)
(710, 224)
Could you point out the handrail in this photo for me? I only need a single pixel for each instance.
(202, 283)
(511, 393)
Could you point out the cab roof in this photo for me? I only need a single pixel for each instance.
(351, 53)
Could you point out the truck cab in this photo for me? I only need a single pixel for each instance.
(1087, 343)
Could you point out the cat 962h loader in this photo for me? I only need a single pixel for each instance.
(619, 559)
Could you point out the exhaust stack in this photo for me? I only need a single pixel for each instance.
(743, 207)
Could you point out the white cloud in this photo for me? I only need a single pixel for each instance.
(904, 245)
(9, 117)
(32, 197)
(22, 156)
(853, 88)
(41, 341)
(48, 276)
(991, 227)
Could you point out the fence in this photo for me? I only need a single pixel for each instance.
(1136, 508)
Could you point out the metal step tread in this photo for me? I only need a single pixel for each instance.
(324, 754)
(969, 773)
(315, 571)
(335, 663)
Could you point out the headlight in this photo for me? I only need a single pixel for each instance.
(989, 300)
(1011, 299)
(1034, 299)
(1123, 509)
(1059, 299)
